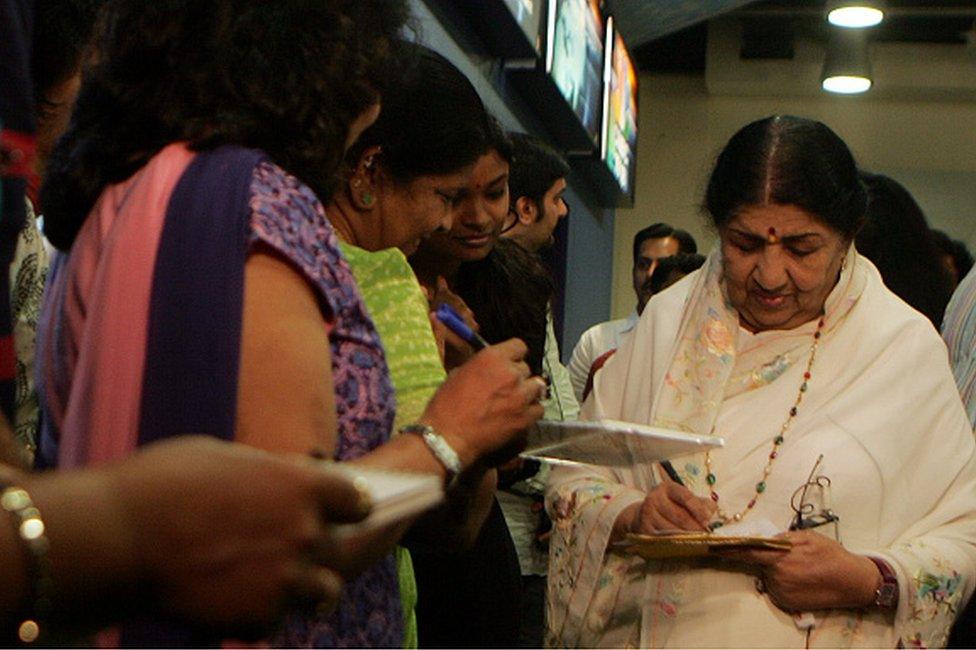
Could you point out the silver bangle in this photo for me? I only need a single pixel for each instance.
(440, 448)
(30, 531)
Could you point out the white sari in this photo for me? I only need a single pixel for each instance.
(881, 407)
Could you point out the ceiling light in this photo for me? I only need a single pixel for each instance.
(847, 67)
(846, 85)
(855, 14)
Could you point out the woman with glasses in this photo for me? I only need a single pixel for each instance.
(787, 345)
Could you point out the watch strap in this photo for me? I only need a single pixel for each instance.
(886, 595)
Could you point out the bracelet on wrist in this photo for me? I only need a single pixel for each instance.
(29, 528)
(440, 448)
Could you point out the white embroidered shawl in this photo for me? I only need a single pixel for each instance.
(882, 408)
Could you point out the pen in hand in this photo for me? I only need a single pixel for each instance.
(671, 472)
(453, 321)
(673, 475)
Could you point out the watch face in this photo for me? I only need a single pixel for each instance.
(887, 594)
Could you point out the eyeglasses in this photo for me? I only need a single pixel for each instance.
(815, 489)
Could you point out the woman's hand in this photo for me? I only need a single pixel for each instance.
(668, 507)
(485, 406)
(455, 351)
(816, 573)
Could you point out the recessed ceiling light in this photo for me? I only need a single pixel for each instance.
(855, 14)
(846, 85)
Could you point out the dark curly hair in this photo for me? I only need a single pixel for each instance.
(285, 77)
(790, 161)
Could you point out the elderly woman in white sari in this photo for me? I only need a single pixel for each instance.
(787, 345)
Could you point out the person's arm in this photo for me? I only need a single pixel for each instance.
(562, 403)
(145, 540)
(285, 400)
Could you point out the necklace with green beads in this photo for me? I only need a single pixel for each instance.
(724, 518)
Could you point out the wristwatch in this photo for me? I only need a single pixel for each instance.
(886, 595)
(440, 448)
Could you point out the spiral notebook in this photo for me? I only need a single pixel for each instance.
(611, 443)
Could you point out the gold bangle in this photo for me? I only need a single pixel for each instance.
(30, 531)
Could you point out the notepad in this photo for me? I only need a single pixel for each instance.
(395, 495)
(659, 547)
(759, 533)
(611, 443)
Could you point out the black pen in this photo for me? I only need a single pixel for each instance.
(670, 471)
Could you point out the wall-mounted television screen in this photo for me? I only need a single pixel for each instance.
(619, 146)
(574, 58)
(528, 15)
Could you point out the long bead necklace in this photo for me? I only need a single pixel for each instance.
(723, 518)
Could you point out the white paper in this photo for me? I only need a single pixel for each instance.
(395, 495)
(610, 442)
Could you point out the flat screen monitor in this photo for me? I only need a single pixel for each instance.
(574, 58)
(619, 146)
(528, 15)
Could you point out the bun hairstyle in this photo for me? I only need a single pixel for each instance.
(788, 160)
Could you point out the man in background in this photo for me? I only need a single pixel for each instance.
(651, 244)
(537, 181)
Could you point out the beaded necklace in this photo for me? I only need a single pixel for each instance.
(774, 452)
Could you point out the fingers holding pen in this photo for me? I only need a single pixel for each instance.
(671, 506)
(701, 510)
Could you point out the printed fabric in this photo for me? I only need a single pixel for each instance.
(399, 310)
(140, 340)
(879, 397)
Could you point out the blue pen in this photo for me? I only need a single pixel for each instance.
(453, 321)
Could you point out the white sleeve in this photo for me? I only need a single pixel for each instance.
(580, 362)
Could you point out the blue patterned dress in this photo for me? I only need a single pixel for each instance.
(288, 217)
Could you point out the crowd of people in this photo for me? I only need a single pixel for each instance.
(228, 225)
